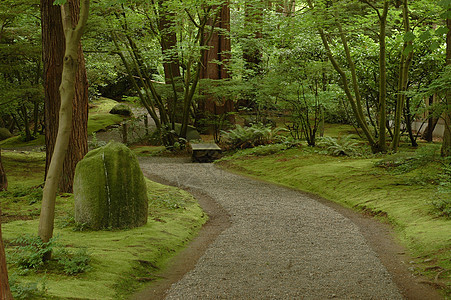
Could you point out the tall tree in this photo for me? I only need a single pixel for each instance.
(216, 58)
(53, 44)
(406, 58)
(3, 179)
(446, 146)
(73, 31)
(351, 86)
(5, 293)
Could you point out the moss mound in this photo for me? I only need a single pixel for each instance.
(4, 134)
(121, 109)
(109, 189)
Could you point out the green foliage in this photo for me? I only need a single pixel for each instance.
(344, 146)
(248, 137)
(31, 290)
(73, 263)
(94, 143)
(30, 252)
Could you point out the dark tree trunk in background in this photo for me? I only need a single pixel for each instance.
(446, 146)
(219, 51)
(432, 122)
(171, 62)
(53, 52)
(3, 179)
(5, 293)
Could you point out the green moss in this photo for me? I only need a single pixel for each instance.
(109, 189)
(358, 184)
(101, 121)
(148, 150)
(16, 142)
(117, 256)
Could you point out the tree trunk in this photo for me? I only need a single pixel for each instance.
(402, 81)
(446, 146)
(67, 91)
(53, 44)
(5, 293)
(431, 122)
(3, 179)
(219, 50)
(382, 80)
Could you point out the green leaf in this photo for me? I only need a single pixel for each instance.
(434, 46)
(409, 36)
(425, 36)
(407, 50)
(441, 31)
(59, 2)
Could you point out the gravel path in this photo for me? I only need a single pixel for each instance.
(281, 244)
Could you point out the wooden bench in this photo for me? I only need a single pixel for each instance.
(207, 152)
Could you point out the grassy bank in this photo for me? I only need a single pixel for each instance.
(120, 261)
(400, 195)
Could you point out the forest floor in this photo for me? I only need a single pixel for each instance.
(279, 243)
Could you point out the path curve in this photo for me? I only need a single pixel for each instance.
(281, 243)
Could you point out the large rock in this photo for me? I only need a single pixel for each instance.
(4, 134)
(109, 189)
(121, 109)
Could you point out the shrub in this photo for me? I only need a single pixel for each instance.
(29, 253)
(249, 137)
(30, 290)
(344, 146)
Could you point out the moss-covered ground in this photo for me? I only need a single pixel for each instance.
(99, 118)
(121, 261)
(401, 198)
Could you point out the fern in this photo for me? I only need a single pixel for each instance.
(344, 146)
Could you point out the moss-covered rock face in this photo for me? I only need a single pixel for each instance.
(109, 189)
(4, 134)
(121, 109)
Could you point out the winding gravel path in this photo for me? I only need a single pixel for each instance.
(281, 244)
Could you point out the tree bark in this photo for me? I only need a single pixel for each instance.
(3, 179)
(53, 44)
(219, 50)
(67, 91)
(382, 79)
(5, 293)
(402, 81)
(446, 145)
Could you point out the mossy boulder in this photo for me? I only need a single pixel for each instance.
(191, 133)
(121, 109)
(4, 134)
(109, 189)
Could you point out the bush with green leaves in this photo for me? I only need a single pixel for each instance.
(28, 255)
(344, 146)
(29, 290)
(252, 136)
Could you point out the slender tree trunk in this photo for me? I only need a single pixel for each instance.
(5, 293)
(3, 179)
(403, 80)
(53, 44)
(67, 91)
(382, 80)
(446, 146)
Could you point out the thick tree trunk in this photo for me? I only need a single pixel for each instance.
(53, 53)
(5, 293)
(219, 50)
(3, 179)
(446, 146)
(67, 91)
